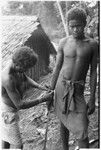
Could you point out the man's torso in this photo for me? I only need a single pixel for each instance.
(11, 81)
(76, 59)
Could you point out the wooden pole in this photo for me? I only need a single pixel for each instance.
(62, 18)
(66, 13)
(40, 10)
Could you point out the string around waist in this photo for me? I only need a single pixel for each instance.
(70, 82)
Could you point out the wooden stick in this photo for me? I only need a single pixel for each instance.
(62, 18)
(45, 141)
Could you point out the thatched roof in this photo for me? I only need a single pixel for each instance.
(15, 31)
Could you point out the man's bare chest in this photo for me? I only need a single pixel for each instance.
(74, 50)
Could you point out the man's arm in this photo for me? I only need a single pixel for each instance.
(93, 79)
(16, 99)
(34, 84)
(34, 102)
(59, 62)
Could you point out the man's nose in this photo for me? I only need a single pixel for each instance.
(75, 29)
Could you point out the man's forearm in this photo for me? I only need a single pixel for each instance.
(56, 72)
(93, 82)
(29, 104)
(26, 105)
(54, 78)
(34, 84)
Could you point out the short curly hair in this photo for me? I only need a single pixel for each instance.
(25, 57)
(77, 14)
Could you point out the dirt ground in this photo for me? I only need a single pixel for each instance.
(33, 124)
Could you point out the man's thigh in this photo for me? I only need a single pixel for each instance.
(77, 123)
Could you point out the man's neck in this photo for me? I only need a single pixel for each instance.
(12, 70)
(82, 37)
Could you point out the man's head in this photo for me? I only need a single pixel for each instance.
(76, 18)
(24, 58)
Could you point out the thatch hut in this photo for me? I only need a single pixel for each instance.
(24, 30)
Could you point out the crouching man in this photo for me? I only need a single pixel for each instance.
(12, 78)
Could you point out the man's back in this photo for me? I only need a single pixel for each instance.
(7, 80)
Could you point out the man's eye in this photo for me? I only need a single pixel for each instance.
(73, 26)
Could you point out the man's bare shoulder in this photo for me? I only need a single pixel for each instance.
(91, 41)
(93, 44)
(5, 78)
(63, 41)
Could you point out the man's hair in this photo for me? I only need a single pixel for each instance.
(77, 14)
(25, 57)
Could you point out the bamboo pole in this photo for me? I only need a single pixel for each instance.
(66, 12)
(62, 18)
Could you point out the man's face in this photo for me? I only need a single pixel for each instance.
(76, 28)
(19, 68)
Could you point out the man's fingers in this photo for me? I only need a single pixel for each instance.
(47, 86)
(49, 93)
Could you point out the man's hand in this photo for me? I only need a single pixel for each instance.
(50, 99)
(48, 86)
(43, 88)
(91, 107)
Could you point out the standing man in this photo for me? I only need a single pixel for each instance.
(75, 54)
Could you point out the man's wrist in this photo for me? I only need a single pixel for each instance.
(41, 87)
(50, 87)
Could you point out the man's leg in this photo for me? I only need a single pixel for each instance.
(5, 145)
(64, 136)
(83, 143)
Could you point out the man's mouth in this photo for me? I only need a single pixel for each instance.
(75, 34)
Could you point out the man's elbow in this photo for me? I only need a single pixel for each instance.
(20, 106)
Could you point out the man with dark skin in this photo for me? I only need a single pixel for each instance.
(75, 54)
(13, 76)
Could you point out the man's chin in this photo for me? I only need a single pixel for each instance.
(77, 36)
